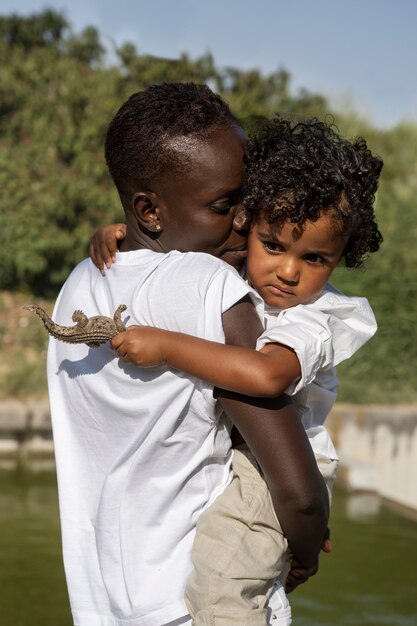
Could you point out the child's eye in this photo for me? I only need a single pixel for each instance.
(272, 246)
(314, 258)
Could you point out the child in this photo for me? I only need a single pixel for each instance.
(310, 197)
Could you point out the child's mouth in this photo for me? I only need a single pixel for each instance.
(281, 291)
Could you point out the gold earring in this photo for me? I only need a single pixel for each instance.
(157, 226)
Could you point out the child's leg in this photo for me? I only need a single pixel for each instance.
(238, 552)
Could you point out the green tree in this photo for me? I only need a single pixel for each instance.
(46, 29)
(86, 47)
(58, 97)
(54, 186)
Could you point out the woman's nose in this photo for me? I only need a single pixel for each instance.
(241, 219)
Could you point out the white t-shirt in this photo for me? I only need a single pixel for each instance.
(322, 333)
(140, 452)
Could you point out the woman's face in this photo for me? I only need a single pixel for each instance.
(199, 209)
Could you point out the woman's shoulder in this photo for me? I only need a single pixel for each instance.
(200, 264)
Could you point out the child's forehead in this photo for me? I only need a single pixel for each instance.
(274, 224)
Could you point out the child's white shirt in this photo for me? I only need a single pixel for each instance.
(322, 333)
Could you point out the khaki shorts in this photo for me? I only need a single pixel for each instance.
(239, 550)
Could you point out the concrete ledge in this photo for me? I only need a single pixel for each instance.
(13, 417)
(377, 446)
(25, 434)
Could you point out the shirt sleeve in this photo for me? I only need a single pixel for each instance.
(189, 292)
(322, 334)
(225, 290)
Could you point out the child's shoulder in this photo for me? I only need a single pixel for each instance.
(331, 310)
(350, 318)
(331, 300)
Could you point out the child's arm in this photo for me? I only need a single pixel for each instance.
(103, 245)
(264, 374)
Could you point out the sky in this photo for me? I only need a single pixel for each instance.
(360, 54)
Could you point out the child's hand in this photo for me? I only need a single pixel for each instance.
(103, 245)
(299, 574)
(140, 345)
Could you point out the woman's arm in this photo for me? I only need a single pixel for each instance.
(266, 373)
(277, 438)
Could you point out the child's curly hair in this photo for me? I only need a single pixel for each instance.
(298, 171)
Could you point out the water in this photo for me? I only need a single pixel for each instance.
(369, 579)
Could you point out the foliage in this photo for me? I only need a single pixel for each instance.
(57, 100)
(38, 30)
(386, 369)
(54, 185)
(59, 91)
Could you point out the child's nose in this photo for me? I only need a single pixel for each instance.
(288, 270)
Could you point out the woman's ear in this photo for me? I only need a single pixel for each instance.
(146, 206)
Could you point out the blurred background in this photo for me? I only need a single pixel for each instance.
(65, 68)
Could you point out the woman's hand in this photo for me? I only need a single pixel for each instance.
(103, 245)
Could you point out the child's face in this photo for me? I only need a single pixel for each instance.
(198, 207)
(290, 264)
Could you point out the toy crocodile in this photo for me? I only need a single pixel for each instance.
(90, 330)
